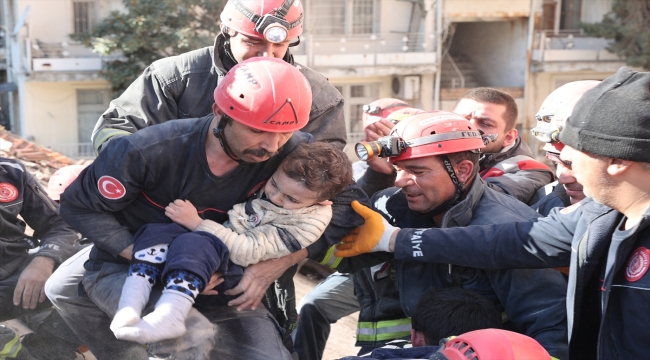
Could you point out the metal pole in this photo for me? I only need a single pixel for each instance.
(436, 89)
(529, 53)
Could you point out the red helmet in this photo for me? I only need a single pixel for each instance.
(403, 113)
(273, 20)
(380, 109)
(548, 126)
(61, 179)
(492, 344)
(436, 133)
(267, 94)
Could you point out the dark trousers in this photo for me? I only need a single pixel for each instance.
(331, 300)
(239, 335)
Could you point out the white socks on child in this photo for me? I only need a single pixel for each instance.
(166, 322)
(135, 295)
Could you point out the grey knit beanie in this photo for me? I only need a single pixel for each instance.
(613, 119)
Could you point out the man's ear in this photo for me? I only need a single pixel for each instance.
(417, 338)
(325, 202)
(511, 137)
(216, 111)
(226, 30)
(617, 166)
(464, 170)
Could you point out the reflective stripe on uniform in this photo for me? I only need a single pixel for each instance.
(383, 330)
(11, 349)
(104, 134)
(330, 259)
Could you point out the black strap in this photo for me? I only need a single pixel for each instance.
(459, 188)
(284, 9)
(279, 12)
(219, 134)
(253, 17)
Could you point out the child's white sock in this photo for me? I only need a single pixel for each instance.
(166, 322)
(135, 295)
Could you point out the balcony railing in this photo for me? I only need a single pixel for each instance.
(366, 44)
(63, 56)
(74, 150)
(570, 45)
(367, 50)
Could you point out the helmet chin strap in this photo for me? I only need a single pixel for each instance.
(459, 188)
(219, 133)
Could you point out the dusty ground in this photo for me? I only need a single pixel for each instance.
(342, 336)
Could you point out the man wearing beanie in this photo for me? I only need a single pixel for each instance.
(605, 239)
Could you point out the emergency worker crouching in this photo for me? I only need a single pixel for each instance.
(438, 185)
(214, 162)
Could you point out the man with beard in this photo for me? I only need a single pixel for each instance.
(215, 162)
(507, 164)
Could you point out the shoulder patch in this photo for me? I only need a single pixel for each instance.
(380, 204)
(638, 264)
(110, 187)
(8, 192)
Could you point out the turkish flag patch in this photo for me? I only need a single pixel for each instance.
(8, 192)
(637, 264)
(110, 188)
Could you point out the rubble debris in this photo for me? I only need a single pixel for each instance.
(40, 161)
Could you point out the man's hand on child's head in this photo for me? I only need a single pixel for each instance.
(183, 213)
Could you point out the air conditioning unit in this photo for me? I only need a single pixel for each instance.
(406, 87)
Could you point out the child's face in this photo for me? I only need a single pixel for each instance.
(288, 193)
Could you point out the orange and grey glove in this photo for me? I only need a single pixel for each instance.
(372, 236)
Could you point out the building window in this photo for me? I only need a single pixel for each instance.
(91, 104)
(85, 15)
(355, 96)
(343, 17)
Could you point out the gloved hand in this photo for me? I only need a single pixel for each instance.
(372, 236)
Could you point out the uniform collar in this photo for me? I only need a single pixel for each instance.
(462, 213)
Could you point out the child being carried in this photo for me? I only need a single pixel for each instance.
(291, 213)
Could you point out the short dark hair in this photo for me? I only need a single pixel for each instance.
(321, 166)
(441, 313)
(498, 97)
(456, 158)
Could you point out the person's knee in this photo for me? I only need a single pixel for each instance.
(54, 289)
(64, 281)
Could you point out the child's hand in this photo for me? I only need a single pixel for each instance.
(183, 213)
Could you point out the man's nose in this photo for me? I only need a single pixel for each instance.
(564, 175)
(267, 50)
(403, 179)
(272, 142)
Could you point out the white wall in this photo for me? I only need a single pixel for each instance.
(51, 110)
(52, 20)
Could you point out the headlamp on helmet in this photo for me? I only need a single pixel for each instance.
(386, 146)
(392, 145)
(273, 26)
(376, 109)
(547, 133)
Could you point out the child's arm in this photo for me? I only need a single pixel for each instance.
(183, 213)
(275, 236)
